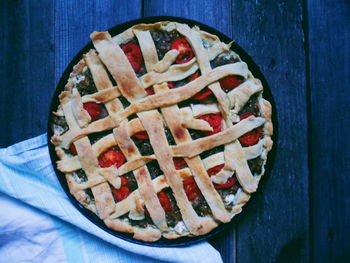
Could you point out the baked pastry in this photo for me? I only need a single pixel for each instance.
(162, 131)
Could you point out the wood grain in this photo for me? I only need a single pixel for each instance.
(275, 227)
(74, 22)
(329, 45)
(26, 68)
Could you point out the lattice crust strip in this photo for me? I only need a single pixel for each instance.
(153, 114)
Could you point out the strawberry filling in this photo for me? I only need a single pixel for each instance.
(214, 121)
(230, 82)
(94, 110)
(134, 55)
(112, 156)
(186, 52)
(252, 137)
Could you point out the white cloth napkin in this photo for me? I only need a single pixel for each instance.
(39, 224)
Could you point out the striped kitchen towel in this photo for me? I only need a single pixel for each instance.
(39, 224)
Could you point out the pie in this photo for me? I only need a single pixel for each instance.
(162, 131)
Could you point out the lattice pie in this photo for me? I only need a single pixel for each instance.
(162, 131)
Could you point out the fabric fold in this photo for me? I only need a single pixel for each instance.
(29, 186)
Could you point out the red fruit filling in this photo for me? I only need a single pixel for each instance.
(214, 170)
(150, 91)
(186, 52)
(164, 201)
(94, 110)
(204, 93)
(179, 163)
(111, 157)
(124, 191)
(141, 135)
(121, 193)
(230, 82)
(171, 85)
(134, 55)
(72, 149)
(124, 180)
(230, 182)
(193, 77)
(252, 137)
(214, 121)
(191, 189)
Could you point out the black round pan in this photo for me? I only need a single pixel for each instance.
(184, 241)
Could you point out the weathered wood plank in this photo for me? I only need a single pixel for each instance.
(275, 225)
(75, 21)
(329, 45)
(218, 15)
(213, 13)
(26, 68)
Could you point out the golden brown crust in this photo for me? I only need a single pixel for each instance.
(193, 148)
(118, 65)
(171, 115)
(148, 48)
(142, 177)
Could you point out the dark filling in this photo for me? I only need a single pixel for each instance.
(81, 176)
(94, 137)
(140, 223)
(185, 103)
(124, 101)
(228, 191)
(223, 60)
(162, 41)
(195, 134)
(90, 196)
(213, 151)
(132, 184)
(60, 122)
(255, 165)
(174, 215)
(154, 169)
(144, 146)
(251, 106)
(86, 84)
(131, 117)
(169, 136)
(179, 83)
(104, 112)
(201, 206)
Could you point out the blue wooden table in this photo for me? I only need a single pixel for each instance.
(302, 212)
